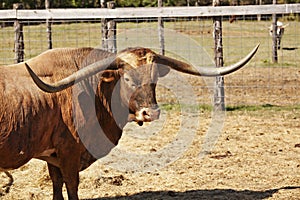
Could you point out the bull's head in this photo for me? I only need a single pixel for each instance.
(140, 69)
(280, 28)
(279, 31)
(138, 83)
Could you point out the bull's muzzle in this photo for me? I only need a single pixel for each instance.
(145, 115)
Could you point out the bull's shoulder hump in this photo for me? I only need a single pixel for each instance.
(76, 51)
(67, 55)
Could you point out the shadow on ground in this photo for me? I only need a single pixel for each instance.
(290, 48)
(202, 194)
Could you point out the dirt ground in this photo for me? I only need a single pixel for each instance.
(257, 155)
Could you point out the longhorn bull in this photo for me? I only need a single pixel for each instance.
(278, 32)
(39, 124)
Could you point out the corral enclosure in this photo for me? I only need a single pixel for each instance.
(256, 156)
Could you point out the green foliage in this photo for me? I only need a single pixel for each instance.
(203, 107)
(262, 107)
(40, 4)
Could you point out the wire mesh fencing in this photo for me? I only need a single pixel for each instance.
(261, 82)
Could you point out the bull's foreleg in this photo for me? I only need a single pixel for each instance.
(72, 185)
(69, 167)
(278, 42)
(57, 181)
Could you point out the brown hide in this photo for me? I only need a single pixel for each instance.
(24, 109)
(35, 124)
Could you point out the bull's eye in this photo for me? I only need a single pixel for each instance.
(130, 82)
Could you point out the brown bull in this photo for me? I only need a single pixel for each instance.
(41, 124)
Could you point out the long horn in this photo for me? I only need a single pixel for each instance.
(72, 79)
(204, 71)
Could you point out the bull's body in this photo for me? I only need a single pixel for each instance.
(37, 124)
(278, 32)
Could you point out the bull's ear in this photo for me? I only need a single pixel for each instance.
(109, 75)
(163, 70)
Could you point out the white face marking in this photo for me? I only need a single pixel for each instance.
(147, 114)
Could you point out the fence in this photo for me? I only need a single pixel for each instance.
(188, 35)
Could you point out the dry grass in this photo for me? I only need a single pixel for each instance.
(256, 157)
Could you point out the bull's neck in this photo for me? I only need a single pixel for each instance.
(111, 113)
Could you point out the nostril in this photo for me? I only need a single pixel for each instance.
(145, 113)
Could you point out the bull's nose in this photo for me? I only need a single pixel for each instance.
(148, 114)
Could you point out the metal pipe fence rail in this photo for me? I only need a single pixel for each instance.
(188, 35)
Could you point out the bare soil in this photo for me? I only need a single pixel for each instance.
(257, 156)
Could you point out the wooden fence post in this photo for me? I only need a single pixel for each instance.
(103, 27)
(219, 93)
(161, 31)
(258, 2)
(274, 36)
(48, 25)
(19, 37)
(112, 30)
(109, 29)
